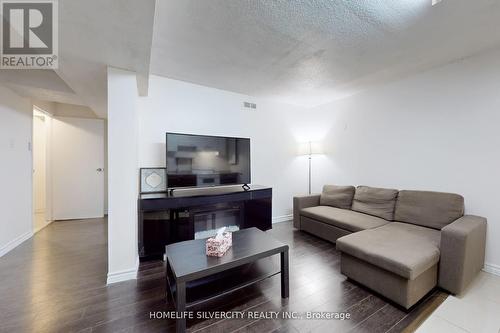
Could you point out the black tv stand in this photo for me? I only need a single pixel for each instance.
(174, 216)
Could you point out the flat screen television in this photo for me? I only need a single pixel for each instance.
(202, 160)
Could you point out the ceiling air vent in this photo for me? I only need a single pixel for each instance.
(249, 105)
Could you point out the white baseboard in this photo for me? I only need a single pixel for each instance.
(491, 268)
(120, 276)
(282, 218)
(15, 242)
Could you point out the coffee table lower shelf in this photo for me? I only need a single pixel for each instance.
(229, 281)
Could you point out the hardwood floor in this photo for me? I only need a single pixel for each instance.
(56, 282)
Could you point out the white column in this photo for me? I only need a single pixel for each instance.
(123, 259)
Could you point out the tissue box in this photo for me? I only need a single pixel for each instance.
(218, 247)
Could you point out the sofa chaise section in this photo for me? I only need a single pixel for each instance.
(463, 238)
(398, 243)
(397, 260)
(431, 244)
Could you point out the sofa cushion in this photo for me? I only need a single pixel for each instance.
(337, 196)
(428, 209)
(403, 249)
(343, 218)
(375, 201)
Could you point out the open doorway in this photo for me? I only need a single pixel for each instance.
(41, 128)
(68, 168)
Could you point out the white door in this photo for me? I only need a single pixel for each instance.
(77, 168)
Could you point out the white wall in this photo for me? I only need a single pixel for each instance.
(438, 130)
(123, 257)
(175, 106)
(16, 116)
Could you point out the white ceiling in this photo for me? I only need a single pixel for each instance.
(305, 52)
(92, 35)
(311, 52)
(39, 84)
(96, 33)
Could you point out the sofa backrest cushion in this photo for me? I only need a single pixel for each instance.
(428, 209)
(375, 201)
(337, 196)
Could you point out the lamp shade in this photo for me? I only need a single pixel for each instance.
(310, 148)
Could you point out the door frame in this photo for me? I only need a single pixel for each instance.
(48, 168)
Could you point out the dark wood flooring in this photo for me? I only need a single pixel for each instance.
(56, 282)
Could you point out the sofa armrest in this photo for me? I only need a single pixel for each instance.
(462, 252)
(301, 202)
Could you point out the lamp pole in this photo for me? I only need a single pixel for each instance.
(310, 159)
(310, 155)
(307, 149)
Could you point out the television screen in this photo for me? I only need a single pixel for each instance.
(200, 160)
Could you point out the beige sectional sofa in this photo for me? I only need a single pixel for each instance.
(400, 244)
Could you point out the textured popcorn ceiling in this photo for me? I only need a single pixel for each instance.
(311, 52)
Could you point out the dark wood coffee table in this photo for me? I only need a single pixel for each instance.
(193, 277)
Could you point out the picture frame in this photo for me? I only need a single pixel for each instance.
(153, 180)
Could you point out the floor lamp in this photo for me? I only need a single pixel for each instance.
(309, 149)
